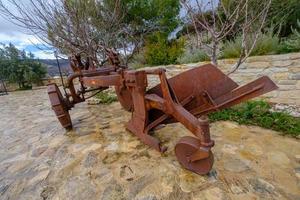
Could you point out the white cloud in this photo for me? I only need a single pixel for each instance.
(27, 42)
(20, 38)
(44, 55)
(11, 33)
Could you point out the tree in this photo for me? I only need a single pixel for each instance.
(283, 16)
(18, 67)
(90, 26)
(161, 51)
(294, 42)
(214, 20)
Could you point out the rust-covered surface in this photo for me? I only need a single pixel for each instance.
(186, 98)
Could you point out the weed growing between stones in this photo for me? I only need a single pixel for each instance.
(106, 97)
(258, 113)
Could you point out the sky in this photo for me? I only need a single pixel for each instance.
(11, 33)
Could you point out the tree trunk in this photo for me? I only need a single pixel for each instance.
(214, 56)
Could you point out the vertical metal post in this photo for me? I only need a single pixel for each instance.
(60, 73)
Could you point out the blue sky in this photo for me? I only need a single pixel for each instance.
(18, 36)
(11, 33)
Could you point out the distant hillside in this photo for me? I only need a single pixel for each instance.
(52, 67)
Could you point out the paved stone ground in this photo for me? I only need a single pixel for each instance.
(101, 160)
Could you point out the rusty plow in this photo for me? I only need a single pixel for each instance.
(186, 98)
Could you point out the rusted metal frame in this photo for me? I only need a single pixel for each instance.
(59, 106)
(154, 101)
(156, 71)
(268, 85)
(98, 91)
(201, 110)
(93, 89)
(136, 82)
(200, 128)
(104, 80)
(197, 127)
(75, 95)
(166, 116)
(208, 98)
(98, 72)
(161, 104)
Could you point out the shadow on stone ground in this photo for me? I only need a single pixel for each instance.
(99, 159)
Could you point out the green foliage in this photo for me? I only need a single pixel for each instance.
(284, 15)
(138, 60)
(258, 113)
(142, 13)
(293, 43)
(18, 67)
(232, 49)
(193, 56)
(266, 44)
(106, 97)
(160, 51)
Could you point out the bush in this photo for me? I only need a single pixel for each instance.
(193, 56)
(266, 44)
(258, 113)
(138, 60)
(20, 67)
(106, 97)
(232, 49)
(292, 44)
(160, 51)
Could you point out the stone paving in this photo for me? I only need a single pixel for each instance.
(99, 159)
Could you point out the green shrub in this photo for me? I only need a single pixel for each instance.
(232, 49)
(160, 51)
(106, 97)
(138, 60)
(266, 44)
(193, 56)
(258, 113)
(292, 44)
(284, 48)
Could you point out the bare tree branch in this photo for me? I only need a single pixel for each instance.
(237, 15)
